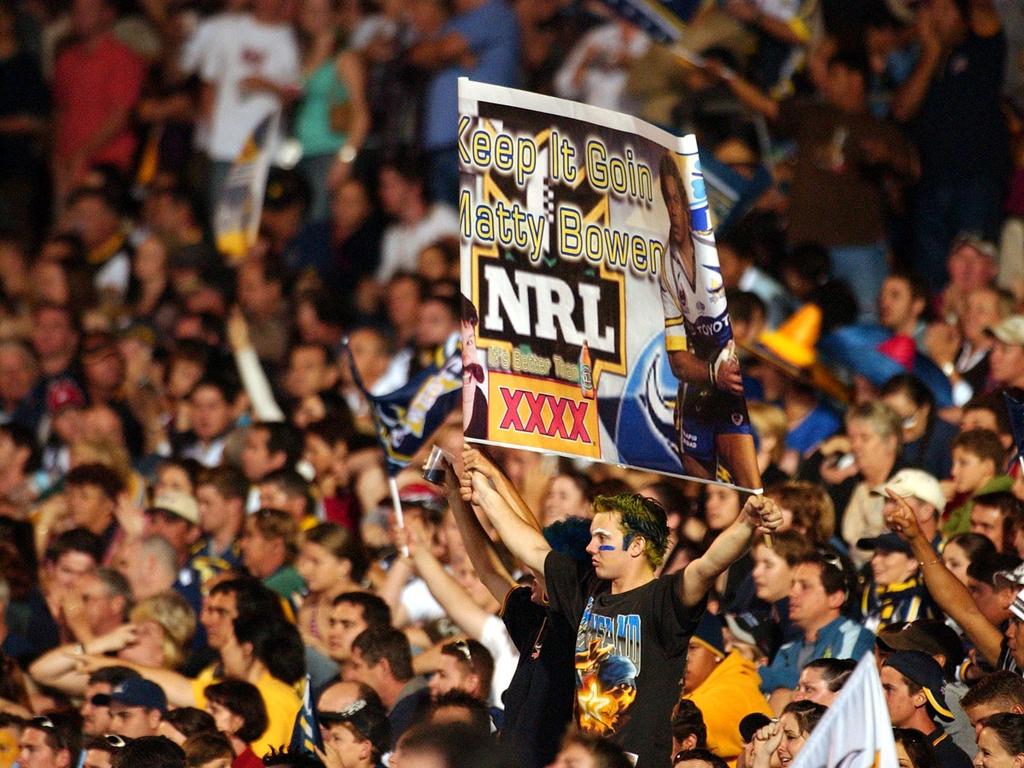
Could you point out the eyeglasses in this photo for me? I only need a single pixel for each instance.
(117, 742)
(462, 647)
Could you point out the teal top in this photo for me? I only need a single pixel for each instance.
(324, 89)
(287, 583)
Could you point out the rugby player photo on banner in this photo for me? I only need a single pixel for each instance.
(595, 322)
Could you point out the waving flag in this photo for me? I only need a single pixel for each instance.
(236, 219)
(856, 731)
(306, 732)
(407, 417)
(663, 20)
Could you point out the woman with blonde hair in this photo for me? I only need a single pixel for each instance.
(157, 635)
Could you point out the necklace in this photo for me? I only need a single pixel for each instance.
(538, 643)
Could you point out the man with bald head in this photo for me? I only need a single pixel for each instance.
(341, 694)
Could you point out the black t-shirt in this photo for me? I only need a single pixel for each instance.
(947, 753)
(630, 656)
(538, 701)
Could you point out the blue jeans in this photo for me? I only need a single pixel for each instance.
(315, 168)
(944, 210)
(863, 268)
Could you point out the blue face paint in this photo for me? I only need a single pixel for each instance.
(606, 548)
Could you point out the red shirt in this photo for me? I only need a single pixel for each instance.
(89, 82)
(247, 759)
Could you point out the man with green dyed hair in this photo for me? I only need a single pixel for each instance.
(633, 627)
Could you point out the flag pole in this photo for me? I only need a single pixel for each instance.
(396, 500)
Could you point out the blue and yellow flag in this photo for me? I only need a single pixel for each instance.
(407, 417)
(663, 20)
(306, 732)
(236, 219)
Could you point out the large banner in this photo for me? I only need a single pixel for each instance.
(594, 314)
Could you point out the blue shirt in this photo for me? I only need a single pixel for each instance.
(819, 424)
(841, 638)
(492, 33)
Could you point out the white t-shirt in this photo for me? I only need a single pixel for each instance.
(603, 83)
(402, 243)
(496, 639)
(226, 52)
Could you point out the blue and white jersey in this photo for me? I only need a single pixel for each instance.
(696, 316)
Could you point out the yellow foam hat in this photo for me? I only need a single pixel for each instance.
(794, 341)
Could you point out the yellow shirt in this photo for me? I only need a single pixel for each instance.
(282, 703)
(730, 693)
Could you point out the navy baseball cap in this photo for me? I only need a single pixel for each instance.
(709, 633)
(887, 542)
(922, 669)
(136, 692)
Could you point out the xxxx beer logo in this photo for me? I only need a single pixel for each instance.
(546, 415)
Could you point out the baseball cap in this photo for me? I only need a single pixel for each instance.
(1017, 606)
(421, 495)
(978, 243)
(747, 628)
(1009, 330)
(1014, 577)
(916, 483)
(709, 633)
(177, 503)
(369, 718)
(135, 692)
(922, 669)
(927, 635)
(887, 542)
(62, 394)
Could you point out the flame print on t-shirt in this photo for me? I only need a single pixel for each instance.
(607, 665)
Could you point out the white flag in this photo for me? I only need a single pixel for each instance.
(856, 731)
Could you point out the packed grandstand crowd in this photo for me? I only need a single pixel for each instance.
(200, 560)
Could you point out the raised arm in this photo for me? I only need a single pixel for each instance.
(759, 515)
(945, 588)
(524, 541)
(482, 462)
(479, 546)
(466, 614)
(60, 667)
(178, 688)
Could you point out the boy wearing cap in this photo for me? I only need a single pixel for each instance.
(724, 685)
(895, 593)
(912, 682)
(136, 707)
(174, 516)
(1006, 360)
(356, 736)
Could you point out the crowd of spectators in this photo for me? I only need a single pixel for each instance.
(195, 524)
